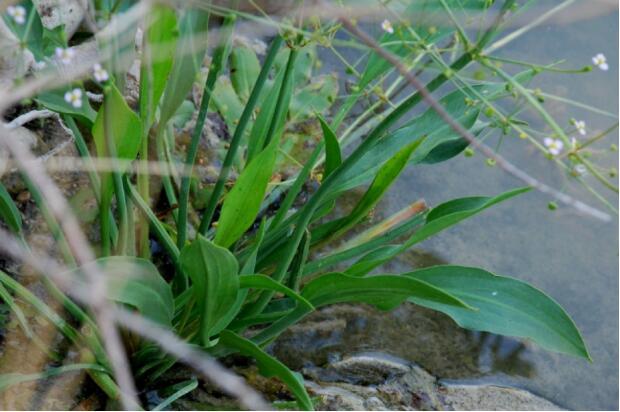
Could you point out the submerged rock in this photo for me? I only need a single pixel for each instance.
(357, 358)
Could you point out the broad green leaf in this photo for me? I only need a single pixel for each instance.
(243, 202)
(316, 97)
(303, 67)
(505, 306)
(183, 114)
(227, 103)
(125, 126)
(269, 366)
(157, 58)
(267, 283)
(333, 157)
(215, 282)
(439, 218)
(125, 129)
(136, 282)
(383, 291)
(387, 175)
(55, 101)
(190, 51)
(9, 212)
(30, 35)
(244, 70)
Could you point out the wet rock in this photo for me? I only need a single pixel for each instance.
(357, 358)
(490, 397)
(370, 368)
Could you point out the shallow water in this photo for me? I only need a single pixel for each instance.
(571, 257)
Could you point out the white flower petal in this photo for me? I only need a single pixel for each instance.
(387, 26)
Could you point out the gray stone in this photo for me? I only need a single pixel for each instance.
(54, 13)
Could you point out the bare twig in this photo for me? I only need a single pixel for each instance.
(30, 116)
(457, 127)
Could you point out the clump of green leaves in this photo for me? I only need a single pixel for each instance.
(240, 269)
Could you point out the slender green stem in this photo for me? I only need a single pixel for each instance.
(121, 203)
(82, 148)
(219, 58)
(158, 228)
(236, 139)
(166, 178)
(597, 174)
(547, 68)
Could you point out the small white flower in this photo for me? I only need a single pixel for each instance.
(65, 55)
(101, 75)
(600, 61)
(18, 13)
(74, 97)
(574, 142)
(387, 26)
(39, 65)
(580, 125)
(580, 169)
(554, 146)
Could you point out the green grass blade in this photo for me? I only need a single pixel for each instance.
(219, 59)
(239, 131)
(185, 388)
(269, 366)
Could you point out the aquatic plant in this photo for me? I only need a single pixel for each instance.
(243, 253)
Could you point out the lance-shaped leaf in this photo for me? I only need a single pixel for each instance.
(333, 156)
(383, 291)
(137, 283)
(387, 175)
(9, 212)
(158, 52)
(439, 218)
(505, 306)
(190, 52)
(244, 70)
(215, 283)
(269, 366)
(125, 126)
(243, 202)
(267, 283)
